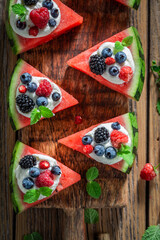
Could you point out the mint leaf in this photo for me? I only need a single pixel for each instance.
(152, 233)
(93, 189)
(45, 191)
(126, 42)
(31, 196)
(20, 10)
(118, 47)
(45, 112)
(158, 106)
(35, 116)
(91, 216)
(33, 236)
(125, 152)
(155, 68)
(92, 173)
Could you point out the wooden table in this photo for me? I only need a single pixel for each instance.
(143, 205)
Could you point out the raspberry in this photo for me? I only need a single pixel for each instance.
(33, 31)
(44, 89)
(117, 138)
(110, 61)
(148, 172)
(126, 73)
(88, 149)
(45, 179)
(40, 17)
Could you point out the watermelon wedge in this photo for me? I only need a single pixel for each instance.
(106, 154)
(133, 87)
(130, 3)
(68, 177)
(69, 19)
(17, 119)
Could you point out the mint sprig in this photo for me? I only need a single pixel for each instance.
(152, 232)
(126, 153)
(91, 216)
(92, 173)
(32, 195)
(39, 112)
(20, 10)
(119, 46)
(156, 70)
(93, 188)
(33, 236)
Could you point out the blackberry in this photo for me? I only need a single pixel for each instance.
(101, 135)
(97, 64)
(27, 161)
(30, 2)
(25, 103)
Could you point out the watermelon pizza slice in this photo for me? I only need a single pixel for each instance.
(32, 96)
(35, 177)
(33, 22)
(113, 142)
(130, 3)
(117, 62)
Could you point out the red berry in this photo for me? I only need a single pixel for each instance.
(118, 138)
(22, 89)
(110, 61)
(126, 73)
(148, 172)
(44, 89)
(33, 31)
(40, 17)
(78, 120)
(88, 149)
(45, 179)
(44, 165)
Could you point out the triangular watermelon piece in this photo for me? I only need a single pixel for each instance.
(128, 126)
(133, 87)
(67, 177)
(18, 120)
(69, 19)
(130, 3)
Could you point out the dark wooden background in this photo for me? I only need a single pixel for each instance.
(143, 200)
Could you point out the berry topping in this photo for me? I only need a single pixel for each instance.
(20, 25)
(107, 52)
(54, 12)
(33, 31)
(87, 139)
(27, 161)
(30, 2)
(28, 183)
(116, 126)
(97, 64)
(32, 87)
(25, 103)
(126, 73)
(52, 22)
(120, 57)
(110, 61)
(114, 71)
(56, 96)
(78, 120)
(110, 152)
(40, 17)
(56, 170)
(44, 165)
(42, 101)
(22, 89)
(47, 4)
(148, 172)
(88, 149)
(34, 172)
(26, 78)
(99, 150)
(101, 135)
(44, 89)
(45, 179)
(118, 138)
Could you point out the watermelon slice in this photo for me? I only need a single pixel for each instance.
(130, 3)
(128, 124)
(18, 120)
(132, 88)
(69, 19)
(68, 177)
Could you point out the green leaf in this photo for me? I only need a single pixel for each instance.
(155, 68)
(118, 47)
(92, 173)
(35, 116)
(33, 236)
(153, 62)
(126, 153)
(152, 233)
(46, 112)
(126, 42)
(157, 80)
(158, 106)
(93, 189)
(45, 191)
(20, 10)
(91, 216)
(31, 196)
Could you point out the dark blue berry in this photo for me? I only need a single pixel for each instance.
(26, 78)
(21, 25)
(34, 172)
(99, 150)
(56, 96)
(28, 183)
(116, 126)
(52, 22)
(56, 170)
(32, 87)
(42, 101)
(107, 52)
(114, 71)
(110, 152)
(47, 4)
(54, 12)
(86, 140)
(120, 57)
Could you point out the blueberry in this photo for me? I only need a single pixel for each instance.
(26, 78)
(31, 87)
(120, 57)
(116, 126)
(56, 96)
(114, 71)
(56, 170)
(28, 183)
(42, 101)
(54, 12)
(52, 22)
(47, 4)
(34, 172)
(99, 150)
(110, 152)
(107, 52)
(21, 25)
(86, 140)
